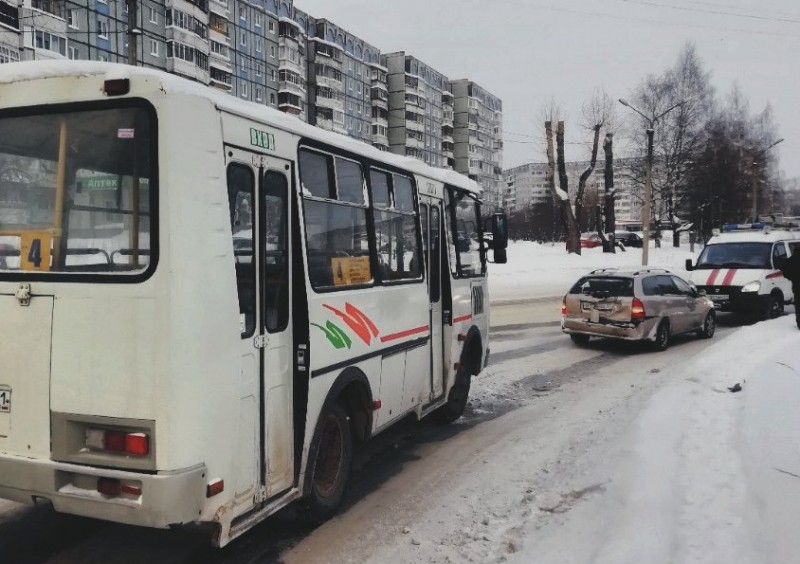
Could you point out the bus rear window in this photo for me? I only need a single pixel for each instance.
(76, 192)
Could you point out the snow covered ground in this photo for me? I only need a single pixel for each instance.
(702, 474)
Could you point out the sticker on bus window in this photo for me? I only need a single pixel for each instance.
(350, 270)
(34, 252)
(125, 133)
(5, 399)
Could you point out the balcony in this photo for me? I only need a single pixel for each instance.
(53, 7)
(330, 102)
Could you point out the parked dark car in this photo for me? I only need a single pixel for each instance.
(628, 238)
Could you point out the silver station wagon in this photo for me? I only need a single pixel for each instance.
(636, 305)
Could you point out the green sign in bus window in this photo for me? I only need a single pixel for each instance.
(262, 139)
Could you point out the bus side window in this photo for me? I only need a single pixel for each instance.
(276, 252)
(396, 227)
(241, 191)
(335, 214)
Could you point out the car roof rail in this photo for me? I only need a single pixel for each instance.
(601, 270)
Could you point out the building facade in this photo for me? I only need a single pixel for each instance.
(272, 53)
(417, 96)
(478, 138)
(10, 32)
(527, 187)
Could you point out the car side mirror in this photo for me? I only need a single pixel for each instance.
(499, 231)
(500, 256)
(689, 265)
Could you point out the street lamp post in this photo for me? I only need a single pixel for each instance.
(754, 180)
(648, 180)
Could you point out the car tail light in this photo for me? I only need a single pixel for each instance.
(637, 310)
(122, 442)
(564, 306)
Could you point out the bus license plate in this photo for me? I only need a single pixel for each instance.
(719, 297)
(5, 400)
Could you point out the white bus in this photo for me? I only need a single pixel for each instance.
(206, 304)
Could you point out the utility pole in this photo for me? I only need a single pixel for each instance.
(133, 31)
(648, 180)
(753, 164)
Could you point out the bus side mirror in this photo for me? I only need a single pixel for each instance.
(499, 233)
(500, 256)
(689, 266)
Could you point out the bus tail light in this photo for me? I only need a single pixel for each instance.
(112, 487)
(122, 442)
(564, 306)
(637, 310)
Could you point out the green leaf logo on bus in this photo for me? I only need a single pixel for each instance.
(355, 319)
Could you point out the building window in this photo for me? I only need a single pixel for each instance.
(72, 53)
(259, 45)
(272, 98)
(154, 47)
(243, 90)
(72, 19)
(259, 94)
(50, 42)
(271, 26)
(8, 55)
(272, 51)
(153, 15)
(243, 39)
(102, 29)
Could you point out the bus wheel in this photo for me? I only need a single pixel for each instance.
(330, 466)
(456, 399)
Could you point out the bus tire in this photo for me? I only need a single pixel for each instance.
(456, 399)
(330, 464)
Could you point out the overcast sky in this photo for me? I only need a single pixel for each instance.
(530, 51)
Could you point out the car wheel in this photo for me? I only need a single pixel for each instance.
(709, 326)
(332, 458)
(771, 308)
(776, 307)
(579, 339)
(662, 336)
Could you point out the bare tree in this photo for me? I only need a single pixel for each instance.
(596, 114)
(680, 135)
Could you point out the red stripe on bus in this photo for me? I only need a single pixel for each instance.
(776, 274)
(406, 333)
(729, 277)
(463, 318)
(712, 277)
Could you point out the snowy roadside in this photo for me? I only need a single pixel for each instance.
(538, 270)
(703, 474)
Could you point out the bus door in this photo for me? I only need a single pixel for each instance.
(258, 192)
(431, 216)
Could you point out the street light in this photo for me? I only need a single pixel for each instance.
(648, 179)
(753, 174)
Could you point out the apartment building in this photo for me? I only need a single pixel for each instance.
(527, 187)
(10, 32)
(270, 52)
(340, 81)
(478, 138)
(418, 99)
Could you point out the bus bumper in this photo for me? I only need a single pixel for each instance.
(157, 500)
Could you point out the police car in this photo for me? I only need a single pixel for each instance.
(738, 269)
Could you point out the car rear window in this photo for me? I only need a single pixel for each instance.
(603, 286)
